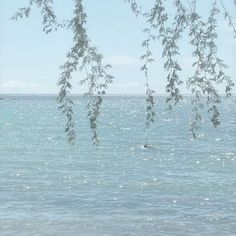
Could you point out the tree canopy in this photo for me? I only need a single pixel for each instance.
(209, 69)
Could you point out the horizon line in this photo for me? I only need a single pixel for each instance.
(84, 94)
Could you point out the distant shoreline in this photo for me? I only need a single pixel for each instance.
(2, 95)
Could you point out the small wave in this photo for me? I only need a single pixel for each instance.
(125, 128)
(218, 139)
(50, 138)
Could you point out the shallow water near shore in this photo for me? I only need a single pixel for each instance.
(179, 186)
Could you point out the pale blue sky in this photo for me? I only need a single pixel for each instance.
(30, 60)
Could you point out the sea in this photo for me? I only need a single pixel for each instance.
(178, 186)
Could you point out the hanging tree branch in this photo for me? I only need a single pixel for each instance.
(49, 18)
(156, 20)
(81, 56)
(229, 18)
(209, 68)
(170, 50)
(148, 58)
(134, 6)
(98, 81)
(96, 74)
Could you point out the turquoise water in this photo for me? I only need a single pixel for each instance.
(179, 187)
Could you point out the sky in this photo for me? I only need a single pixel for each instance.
(30, 60)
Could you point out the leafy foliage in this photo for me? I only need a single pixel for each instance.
(82, 56)
(49, 18)
(209, 68)
(134, 6)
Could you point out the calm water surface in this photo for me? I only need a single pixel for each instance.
(179, 187)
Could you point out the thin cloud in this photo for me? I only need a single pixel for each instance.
(15, 86)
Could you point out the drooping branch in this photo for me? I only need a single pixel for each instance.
(156, 20)
(98, 80)
(49, 18)
(229, 18)
(169, 36)
(96, 74)
(209, 68)
(134, 6)
(81, 56)
(170, 40)
(148, 58)
(194, 83)
(81, 43)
